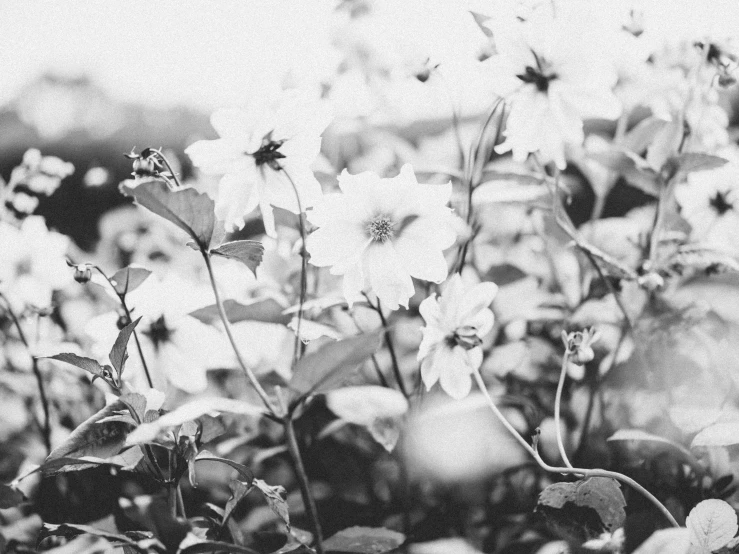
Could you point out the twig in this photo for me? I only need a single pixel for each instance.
(557, 406)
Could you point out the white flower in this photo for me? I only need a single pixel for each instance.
(33, 263)
(259, 148)
(455, 325)
(381, 232)
(553, 81)
(709, 201)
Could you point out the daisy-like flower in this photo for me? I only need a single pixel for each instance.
(33, 263)
(553, 81)
(455, 325)
(378, 233)
(709, 201)
(261, 148)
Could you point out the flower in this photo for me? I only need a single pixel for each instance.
(455, 325)
(33, 263)
(261, 149)
(378, 233)
(41, 174)
(553, 82)
(709, 201)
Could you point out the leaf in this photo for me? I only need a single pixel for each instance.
(266, 310)
(248, 252)
(601, 494)
(608, 263)
(509, 192)
(239, 490)
(364, 540)
(119, 354)
(10, 497)
(480, 19)
(639, 435)
(83, 544)
(312, 330)
(136, 404)
(191, 211)
(712, 524)
(643, 133)
(126, 461)
(328, 367)
(695, 161)
(214, 546)
(723, 433)
(276, 499)
(702, 258)
(666, 541)
(244, 472)
(72, 530)
(633, 168)
(129, 278)
(86, 364)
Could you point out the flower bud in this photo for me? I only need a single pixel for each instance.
(144, 167)
(579, 345)
(83, 273)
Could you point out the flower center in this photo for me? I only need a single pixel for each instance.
(380, 229)
(269, 153)
(720, 203)
(464, 337)
(159, 333)
(538, 75)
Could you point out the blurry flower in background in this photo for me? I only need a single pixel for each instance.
(40, 174)
(33, 263)
(552, 83)
(455, 325)
(261, 149)
(381, 232)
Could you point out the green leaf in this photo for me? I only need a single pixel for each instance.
(10, 497)
(712, 524)
(666, 541)
(214, 546)
(633, 168)
(266, 310)
(244, 472)
(69, 530)
(129, 278)
(190, 210)
(701, 258)
(610, 265)
(693, 161)
(364, 540)
(276, 499)
(119, 353)
(86, 364)
(330, 366)
(723, 433)
(248, 252)
(126, 461)
(639, 435)
(136, 404)
(639, 138)
(239, 490)
(84, 544)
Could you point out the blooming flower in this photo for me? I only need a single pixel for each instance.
(41, 174)
(260, 150)
(553, 82)
(381, 232)
(455, 325)
(33, 263)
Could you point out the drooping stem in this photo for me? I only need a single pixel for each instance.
(227, 327)
(390, 345)
(299, 345)
(46, 428)
(569, 470)
(169, 168)
(557, 407)
(303, 483)
(124, 305)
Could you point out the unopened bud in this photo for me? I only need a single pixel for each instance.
(83, 273)
(579, 345)
(144, 167)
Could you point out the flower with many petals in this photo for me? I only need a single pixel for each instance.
(378, 233)
(262, 149)
(455, 326)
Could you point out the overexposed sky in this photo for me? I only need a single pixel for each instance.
(213, 53)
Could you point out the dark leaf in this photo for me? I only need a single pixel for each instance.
(330, 365)
(276, 499)
(84, 544)
(214, 546)
(136, 404)
(87, 364)
(191, 211)
(504, 274)
(248, 252)
(119, 354)
(364, 540)
(129, 278)
(244, 472)
(266, 310)
(239, 490)
(69, 530)
(10, 497)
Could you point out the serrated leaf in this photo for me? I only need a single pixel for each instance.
(597, 493)
(10, 497)
(266, 310)
(86, 364)
(119, 353)
(610, 265)
(364, 540)
(129, 278)
(712, 524)
(329, 367)
(190, 210)
(723, 433)
(276, 499)
(248, 252)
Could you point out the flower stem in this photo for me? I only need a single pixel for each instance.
(569, 470)
(227, 327)
(46, 428)
(557, 406)
(390, 346)
(302, 476)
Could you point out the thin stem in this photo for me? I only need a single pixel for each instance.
(302, 476)
(380, 376)
(227, 326)
(180, 502)
(390, 346)
(169, 167)
(557, 407)
(299, 345)
(46, 428)
(569, 470)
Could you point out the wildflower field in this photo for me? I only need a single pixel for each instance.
(367, 276)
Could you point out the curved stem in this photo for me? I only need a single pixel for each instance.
(302, 476)
(557, 407)
(227, 327)
(46, 429)
(569, 470)
(169, 168)
(390, 346)
(299, 345)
